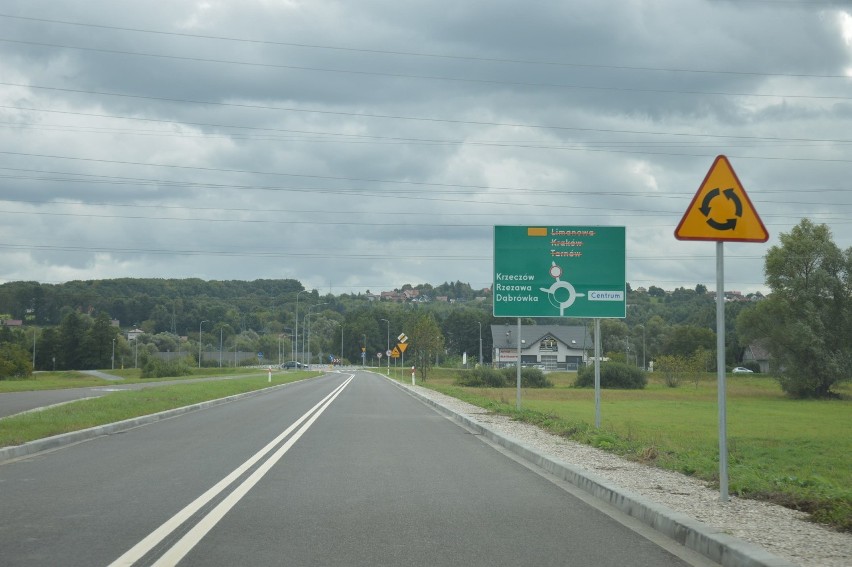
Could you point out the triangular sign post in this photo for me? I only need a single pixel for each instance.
(721, 210)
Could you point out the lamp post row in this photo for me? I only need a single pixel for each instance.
(296, 338)
(295, 333)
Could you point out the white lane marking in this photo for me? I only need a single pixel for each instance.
(188, 541)
(154, 538)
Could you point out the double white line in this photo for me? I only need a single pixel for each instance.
(177, 552)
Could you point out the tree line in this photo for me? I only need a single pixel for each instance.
(806, 322)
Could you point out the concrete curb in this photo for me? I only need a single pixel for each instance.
(714, 544)
(48, 443)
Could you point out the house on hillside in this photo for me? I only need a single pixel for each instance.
(556, 347)
(757, 352)
(133, 334)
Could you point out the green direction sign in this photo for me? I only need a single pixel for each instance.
(562, 271)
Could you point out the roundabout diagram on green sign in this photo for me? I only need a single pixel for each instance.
(558, 286)
(559, 271)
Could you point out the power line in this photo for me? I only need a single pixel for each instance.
(395, 139)
(284, 174)
(435, 55)
(78, 177)
(290, 221)
(430, 77)
(419, 255)
(387, 116)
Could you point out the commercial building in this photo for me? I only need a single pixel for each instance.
(556, 347)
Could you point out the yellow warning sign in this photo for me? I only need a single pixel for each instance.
(721, 210)
(395, 353)
(402, 346)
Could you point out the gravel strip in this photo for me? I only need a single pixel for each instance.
(780, 531)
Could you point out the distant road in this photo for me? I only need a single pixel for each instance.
(344, 469)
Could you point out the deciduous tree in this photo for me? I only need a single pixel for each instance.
(427, 342)
(806, 322)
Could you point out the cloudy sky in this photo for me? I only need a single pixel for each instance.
(365, 144)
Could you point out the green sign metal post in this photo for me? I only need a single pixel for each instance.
(561, 271)
(565, 271)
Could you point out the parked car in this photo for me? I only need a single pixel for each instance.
(742, 370)
(292, 364)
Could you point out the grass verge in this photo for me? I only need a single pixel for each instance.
(75, 379)
(119, 406)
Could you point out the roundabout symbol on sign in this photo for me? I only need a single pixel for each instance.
(556, 272)
(721, 211)
(731, 195)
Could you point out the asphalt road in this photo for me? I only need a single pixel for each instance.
(328, 471)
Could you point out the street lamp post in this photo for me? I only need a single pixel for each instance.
(199, 342)
(387, 355)
(113, 354)
(281, 336)
(643, 346)
(296, 346)
(341, 342)
(304, 337)
(480, 342)
(308, 322)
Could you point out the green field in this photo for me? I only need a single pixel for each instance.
(794, 452)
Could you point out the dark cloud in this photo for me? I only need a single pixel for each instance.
(369, 146)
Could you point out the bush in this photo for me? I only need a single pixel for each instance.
(530, 378)
(674, 368)
(14, 362)
(613, 375)
(156, 368)
(484, 377)
(481, 377)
